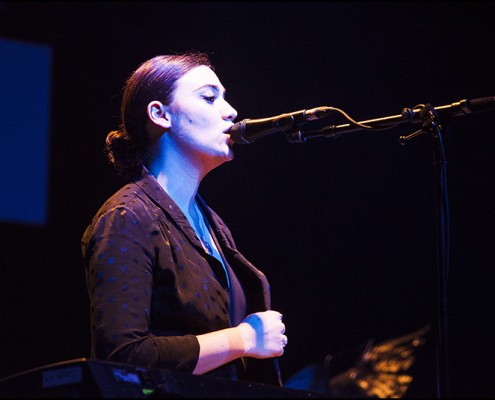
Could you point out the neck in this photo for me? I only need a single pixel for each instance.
(178, 174)
(180, 187)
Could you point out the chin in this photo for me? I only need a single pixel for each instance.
(230, 154)
(223, 158)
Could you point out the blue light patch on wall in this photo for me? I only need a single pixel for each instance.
(25, 81)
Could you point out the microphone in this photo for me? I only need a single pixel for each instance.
(249, 130)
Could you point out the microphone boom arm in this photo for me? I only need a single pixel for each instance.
(410, 115)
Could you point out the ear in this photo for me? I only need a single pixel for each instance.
(158, 114)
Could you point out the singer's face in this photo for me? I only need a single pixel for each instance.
(201, 118)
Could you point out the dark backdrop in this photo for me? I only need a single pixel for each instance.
(344, 228)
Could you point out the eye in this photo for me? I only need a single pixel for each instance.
(209, 99)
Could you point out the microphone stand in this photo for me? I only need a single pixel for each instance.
(428, 116)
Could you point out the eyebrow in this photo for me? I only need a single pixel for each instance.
(214, 87)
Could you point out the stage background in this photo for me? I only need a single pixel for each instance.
(343, 228)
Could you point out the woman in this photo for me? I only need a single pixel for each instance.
(167, 286)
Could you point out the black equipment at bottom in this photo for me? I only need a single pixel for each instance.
(84, 378)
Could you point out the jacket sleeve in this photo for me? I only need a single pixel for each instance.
(119, 257)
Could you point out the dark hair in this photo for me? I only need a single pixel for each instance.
(155, 79)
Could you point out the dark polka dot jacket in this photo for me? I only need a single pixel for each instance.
(152, 287)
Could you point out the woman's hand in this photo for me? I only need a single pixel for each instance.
(263, 334)
(259, 335)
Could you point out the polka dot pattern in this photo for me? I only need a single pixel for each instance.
(151, 285)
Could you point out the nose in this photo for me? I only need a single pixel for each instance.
(230, 112)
